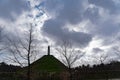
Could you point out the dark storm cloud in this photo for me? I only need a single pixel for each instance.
(103, 26)
(108, 29)
(54, 30)
(11, 8)
(71, 11)
(66, 11)
(92, 14)
(101, 16)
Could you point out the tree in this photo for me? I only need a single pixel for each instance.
(69, 55)
(101, 58)
(23, 48)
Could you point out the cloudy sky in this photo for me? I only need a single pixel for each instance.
(91, 25)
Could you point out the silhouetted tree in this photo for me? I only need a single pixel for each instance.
(100, 58)
(69, 55)
(25, 48)
(4, 67)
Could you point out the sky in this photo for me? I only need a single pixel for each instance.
(91, 25)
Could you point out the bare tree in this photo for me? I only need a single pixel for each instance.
(69, 55)
(23, 48)
(101, 58)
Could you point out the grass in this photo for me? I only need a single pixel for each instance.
(48, 63)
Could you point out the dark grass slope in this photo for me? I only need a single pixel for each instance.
(48, 63)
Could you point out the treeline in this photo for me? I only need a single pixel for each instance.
(113, 66)
(8, 72)
(103, 71)
(4, 68)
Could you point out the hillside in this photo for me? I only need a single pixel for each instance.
(48, 63)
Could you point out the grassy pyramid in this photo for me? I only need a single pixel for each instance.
(48, 63)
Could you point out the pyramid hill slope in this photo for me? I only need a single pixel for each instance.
(48, 63)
